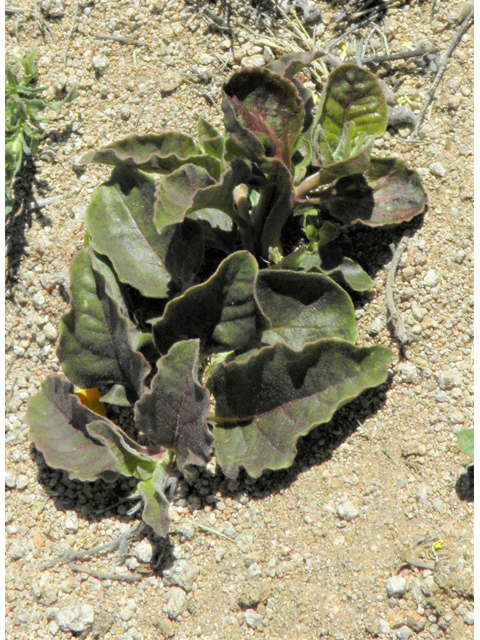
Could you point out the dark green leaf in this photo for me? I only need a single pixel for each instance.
(263, 113)
(173, 413)
(304, 307)
(264, 404)
(281, 209)
(221, 310)
(95, 343)
(58, 428)
(388, 193)
(120, 223)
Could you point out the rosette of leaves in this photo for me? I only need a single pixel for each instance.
(188, 304)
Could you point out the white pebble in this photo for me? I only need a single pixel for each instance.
(438, 169)
(70, 523)
(100, 63)
(252, 618)
(347, 511)
(50, 332)
(396, 586)
(431, 279)
(144, 551)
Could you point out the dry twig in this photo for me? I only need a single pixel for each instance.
(394, 316)
(441, 70)
(12, 9)
(70, 33)
(119, 544)
(122, 39)
(133, 577)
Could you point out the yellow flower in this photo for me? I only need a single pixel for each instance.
(90, 398)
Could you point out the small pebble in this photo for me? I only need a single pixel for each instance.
(431, 279)
(421, 493)
(404, 633)
(100, 63)
(71, 523)
(254, 572)
(10, 479)
(50, 332)
(468, 618)
(76, 617)
(252, 618)
(16, 552)
(438, 169)
(396, 587)
(347, 511)
(408, 371)
(244, 541)
(182, 574)
(176, 603)
(144, 551)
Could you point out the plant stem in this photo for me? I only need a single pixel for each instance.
(312, 182)
(259, 212)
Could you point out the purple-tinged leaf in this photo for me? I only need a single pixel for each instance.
(161, 153)
(221, 310)
(303, 307)
(191, 189)
(58, 428)
(388, 193)
(120, 224)
(264, 114)
(173, 413)
(95, 345)
(263, 405)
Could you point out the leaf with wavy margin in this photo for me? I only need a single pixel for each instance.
(221, 310)
(263, 405)
(303, 307)
(161, 153)
(352, 113)
(264, 114)
(388, 193)
(120, 224)
(95, 345)
(173, 413)
(58, 428)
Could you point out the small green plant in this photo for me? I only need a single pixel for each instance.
(23, 120)
(210, 296)
(466, 442)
